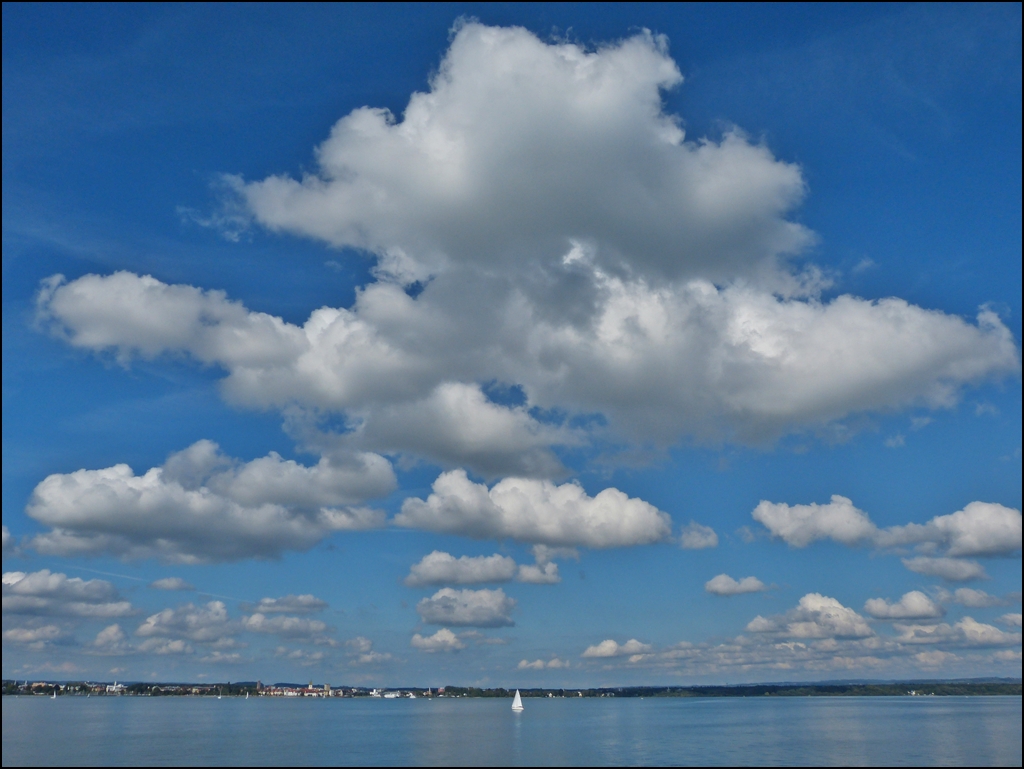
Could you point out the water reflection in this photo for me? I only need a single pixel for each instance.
(463, 732)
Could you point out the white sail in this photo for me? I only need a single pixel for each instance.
(517, 703)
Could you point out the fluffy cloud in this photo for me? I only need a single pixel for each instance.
(535, 511)
(8, 541)
(520, 144)
(723, 584)
(171, 583)
(569, 240)
(34, 638)
(800, 525)
(204, 624)
(694, 536)
(913, 605)
(966, 632)
(816, 616)
(289, 604)
(440, 568)
(971, 598)
(951, 569)
(551, 664)
(362, 653)
(467, 608)
(301, 656)
(610, 648)
(46, 593)
(164, 646)
(112, 640)
(980, 529)
(203, 506)
(1013, 620)
(539, 574)
(288, 627)
(444, 640)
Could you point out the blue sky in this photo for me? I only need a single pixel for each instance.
(511, 345)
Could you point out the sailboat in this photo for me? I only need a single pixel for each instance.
(517, 703)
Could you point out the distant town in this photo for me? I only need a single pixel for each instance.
(989, 687)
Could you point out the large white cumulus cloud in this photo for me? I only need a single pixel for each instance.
(521, 144)
(203, 506)
(537, 512)
(571, 241)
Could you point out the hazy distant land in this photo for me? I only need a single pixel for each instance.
(984, 687)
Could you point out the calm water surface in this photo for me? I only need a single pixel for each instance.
(761, 730)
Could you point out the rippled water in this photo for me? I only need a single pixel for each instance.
(761, 730)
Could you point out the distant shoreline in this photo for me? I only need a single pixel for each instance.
(257, 689)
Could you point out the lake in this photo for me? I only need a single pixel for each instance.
(758, 730)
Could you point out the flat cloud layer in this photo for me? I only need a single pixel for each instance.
(538, 512)
(203, 506)
(568, 240)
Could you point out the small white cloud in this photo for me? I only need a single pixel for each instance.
(895, 441)
(950, 569)
(552, 664)
(166, 646)
(694, 536)
(934, 658)
(538, 574)
(966, 632)
(467, 608)
(980, 529)
(975, 599)
(217, 657)
(913, 605)
(112, 640)
(816, 616)
(444, 640)
(610, 648)
(440, 568)
(301, 656)
(171, 583)
(723, 584)
(285, 626)
(361, 652)
(47, 593)
(289, 604)
(534, 511)
(1011, 620)
(800, 525)
(204, 624)
(35, 638)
